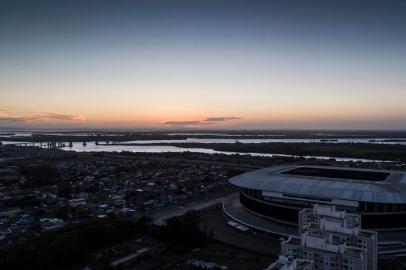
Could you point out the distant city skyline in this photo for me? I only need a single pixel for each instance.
(203, 64)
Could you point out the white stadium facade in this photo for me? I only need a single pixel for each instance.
(277, 194)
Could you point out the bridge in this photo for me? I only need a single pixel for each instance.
(46, 145)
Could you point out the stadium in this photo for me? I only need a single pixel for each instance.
(278, 193)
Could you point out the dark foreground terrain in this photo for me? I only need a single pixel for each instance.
(69, 210)
(103, 243)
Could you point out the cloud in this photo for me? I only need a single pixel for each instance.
(196, 123)
(4, 113)
(8, 117)
(220, 119)
(64, 117)
(191, 123)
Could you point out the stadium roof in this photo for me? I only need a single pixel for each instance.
(328, 182)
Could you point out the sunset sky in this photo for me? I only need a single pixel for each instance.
(203, 64)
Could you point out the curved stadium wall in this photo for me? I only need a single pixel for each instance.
(274, 200)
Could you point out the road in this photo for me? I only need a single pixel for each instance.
(214, 220)
(159, 218)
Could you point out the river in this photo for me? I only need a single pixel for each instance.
(92, 147)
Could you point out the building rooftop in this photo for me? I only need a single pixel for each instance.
(328, 182)
(338, 173)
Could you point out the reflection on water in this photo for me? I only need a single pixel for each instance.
(204, 140)
(10, 134)
(92, 147)
(272, 138)
(10, 142)
(224, 134)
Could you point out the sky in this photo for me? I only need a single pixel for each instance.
(203, 64)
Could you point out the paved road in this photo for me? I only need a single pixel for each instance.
(215, 221)
(159, 218)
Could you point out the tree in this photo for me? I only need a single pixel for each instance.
(184, 231)
(65, 190)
